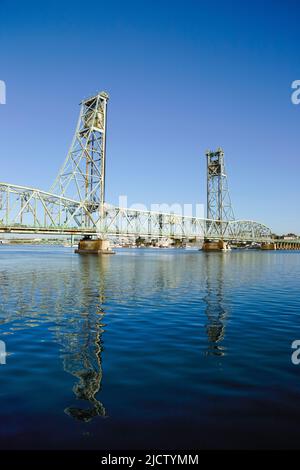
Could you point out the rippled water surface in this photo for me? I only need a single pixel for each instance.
(149, 349)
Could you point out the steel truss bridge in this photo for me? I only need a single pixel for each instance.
(28, 210)
(76, 205)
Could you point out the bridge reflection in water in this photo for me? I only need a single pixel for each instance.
(82, 358)
(69, 298)
(65, 301)
(214, 299)
(162, 342)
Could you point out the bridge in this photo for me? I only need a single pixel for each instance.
(75, 204)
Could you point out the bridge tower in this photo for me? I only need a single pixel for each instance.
(219, 207)
(82, 176)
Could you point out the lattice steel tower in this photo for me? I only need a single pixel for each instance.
(218, 199)
(82, 176)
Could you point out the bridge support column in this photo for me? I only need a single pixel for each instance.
(268, 246)
(210, 245)
(94, 246)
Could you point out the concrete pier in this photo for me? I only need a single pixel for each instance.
(94, 246)
(219, 245)
(285, 245)
(281, 245)
(268, 246)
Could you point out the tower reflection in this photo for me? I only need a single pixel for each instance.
(82, 358)
(214, 299)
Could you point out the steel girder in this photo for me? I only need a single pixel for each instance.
(23, 207)
(29, 209)
(122, 221)
(219, 205)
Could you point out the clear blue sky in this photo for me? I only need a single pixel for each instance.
(183, 76)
